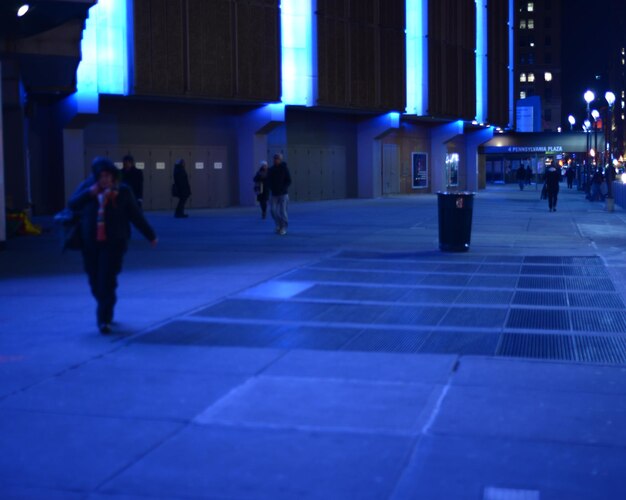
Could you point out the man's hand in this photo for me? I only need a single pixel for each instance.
(154, 242)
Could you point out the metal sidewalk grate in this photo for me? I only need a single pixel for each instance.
(600, 300)
(542, 270)
(540, 299)
(538, 346)
(595, 284)
(600, 349)
(533, 319)
(547, 283)
(599, 321)
(545, 260)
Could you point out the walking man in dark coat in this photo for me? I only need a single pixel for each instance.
(553, 177)
(107, 208)
(133, 178)
(520, 174)
(182, 189)
(279, 180)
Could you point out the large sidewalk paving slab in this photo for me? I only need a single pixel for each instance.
(349, 359)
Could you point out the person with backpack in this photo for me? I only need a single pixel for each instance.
(107, 208)
(261, 187)
(520, 174)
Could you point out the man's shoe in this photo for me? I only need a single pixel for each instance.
(104, 328)
(277, 230)
(282, 232)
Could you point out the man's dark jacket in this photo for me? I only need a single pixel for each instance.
(279, 179)
(553, 177)
(118, 215)
(181, 181)
(133, 177)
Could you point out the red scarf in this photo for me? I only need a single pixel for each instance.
(103, 201)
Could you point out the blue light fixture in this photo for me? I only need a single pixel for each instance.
(299, 51)
(417, 57)
(104, 64)
(481, 60)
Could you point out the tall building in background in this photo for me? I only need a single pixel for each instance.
(617, 78)
(538, 60)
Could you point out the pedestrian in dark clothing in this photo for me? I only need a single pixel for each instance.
(553, 177)
(610, 177)
(279, 180)
(596, 186)
(261, 188)
(570, 175)
(529, 175)
(181, 188)
(133, 178)
(521, 177)
(107, 208)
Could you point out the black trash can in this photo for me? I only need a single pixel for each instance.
(455, 221)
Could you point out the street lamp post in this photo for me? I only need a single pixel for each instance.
(595, 114)
(610, 99)
(589, 97)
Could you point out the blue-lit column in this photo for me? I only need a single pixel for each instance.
(481, 61)
(511, 64)
(3, 228)
(104, 63)
(417, 57)
(472, 141)
(299, 52)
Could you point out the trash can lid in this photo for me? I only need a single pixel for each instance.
(455, 193)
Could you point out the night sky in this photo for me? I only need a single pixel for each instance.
(593, 34)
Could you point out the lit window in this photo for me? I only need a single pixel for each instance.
(547, 76)
(522, 24)
(622, 116)
(531, 6)
(522, 77)
(623, 62)
(623, 94)
(531, 24)
(522, 95)
(623, 104)
(532, 44)
(531, 77)
(624, 52)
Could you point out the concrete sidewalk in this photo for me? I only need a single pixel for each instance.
(348, 359)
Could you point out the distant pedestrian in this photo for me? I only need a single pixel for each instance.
(553, 177)
(261, 187)
(107, 208)
(520, 175)
(529, 174)
(596, 186)
(279, 180)
(181, 188)
(133, 178)
(570, 175)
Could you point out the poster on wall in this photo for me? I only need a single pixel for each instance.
(420, 170)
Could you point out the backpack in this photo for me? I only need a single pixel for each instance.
(68, 224)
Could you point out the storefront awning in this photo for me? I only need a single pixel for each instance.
(540, 143)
